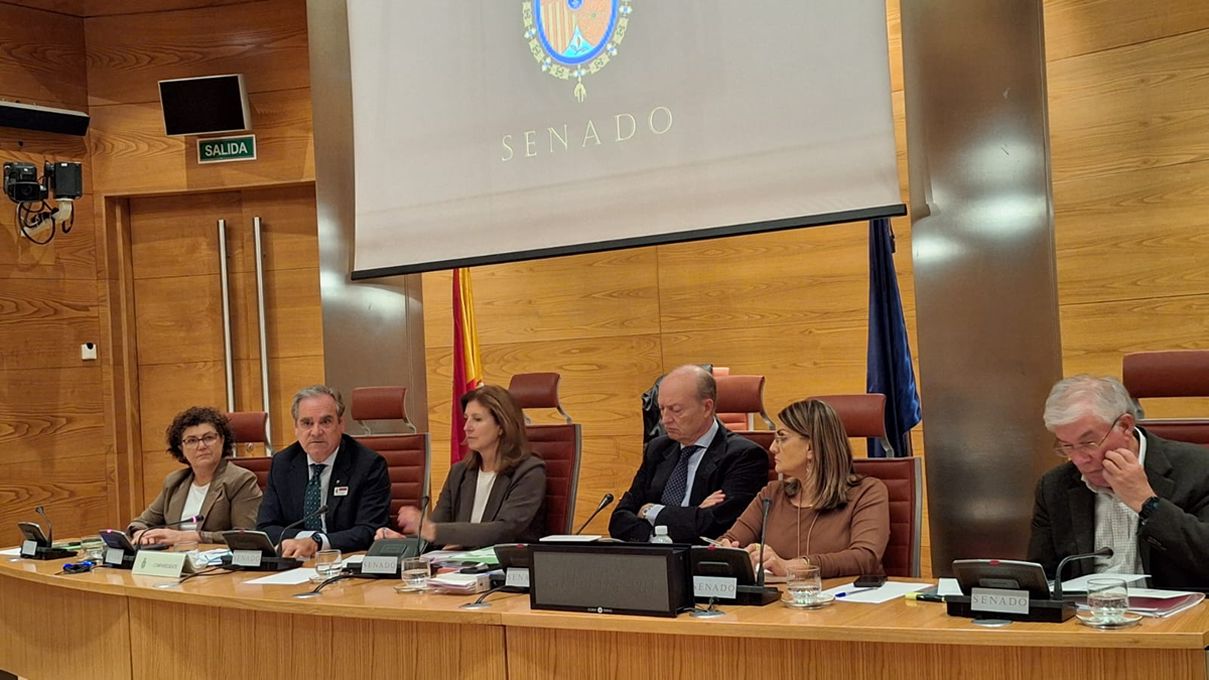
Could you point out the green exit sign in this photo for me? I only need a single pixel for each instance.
(226, 149)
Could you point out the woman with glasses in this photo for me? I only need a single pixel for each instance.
(821, 512)
(225, 496)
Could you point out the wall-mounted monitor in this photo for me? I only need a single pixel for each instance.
(205, 105)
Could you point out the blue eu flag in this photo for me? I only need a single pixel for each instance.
(888, 367)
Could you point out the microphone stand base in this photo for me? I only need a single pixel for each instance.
(266, 564)
(756, 595)
(51, 554)
(1039, 611)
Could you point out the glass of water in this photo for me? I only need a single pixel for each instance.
(93, 547)
(416, 572)
(804, 585)
(327, 564)
(1108, 599)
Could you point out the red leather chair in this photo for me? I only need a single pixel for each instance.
(903, 478)
(863, 415)
(740, 399)
(560, 445)
(408, 455)
(250, 428)
(1170, 373)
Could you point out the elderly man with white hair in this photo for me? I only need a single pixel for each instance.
(1145, 497)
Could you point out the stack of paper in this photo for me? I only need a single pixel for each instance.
(1162, 603)
(460, 584)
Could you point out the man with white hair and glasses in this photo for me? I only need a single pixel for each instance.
(1145, 497)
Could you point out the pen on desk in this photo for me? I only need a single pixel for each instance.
(713, 542)
(925, 597)
(846, 593)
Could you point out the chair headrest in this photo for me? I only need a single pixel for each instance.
(535, 390)
(1169, 373)
(379, 403)
(247, 426)
(740, 394)
(863, 415)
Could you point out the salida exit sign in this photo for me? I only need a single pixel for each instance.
(226, 149)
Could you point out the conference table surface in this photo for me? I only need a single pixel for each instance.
(112, 623)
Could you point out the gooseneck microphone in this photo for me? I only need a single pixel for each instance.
(50, 528)
(763, 534)
(420, 542)
(604, 503)
(1057, 594)
(185, 520)
(322, 509)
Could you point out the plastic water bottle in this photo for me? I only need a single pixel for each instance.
(660, 535)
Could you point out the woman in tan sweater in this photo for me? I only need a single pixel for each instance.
(822, 512)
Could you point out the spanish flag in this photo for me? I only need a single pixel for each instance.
(467, 367)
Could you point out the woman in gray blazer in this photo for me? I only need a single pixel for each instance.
(225, 496)
(497, 493)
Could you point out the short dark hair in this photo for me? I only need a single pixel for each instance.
(312, 391)
(192, 417)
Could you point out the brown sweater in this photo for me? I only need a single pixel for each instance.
(845, 541)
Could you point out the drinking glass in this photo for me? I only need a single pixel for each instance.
(327, 564)
(415, 574)
(1108, 599)
(93, 547)
(803, 584)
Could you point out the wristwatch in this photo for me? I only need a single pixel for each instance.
(318, 539)
(1149, 507)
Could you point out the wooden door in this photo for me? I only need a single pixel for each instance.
(178, 309)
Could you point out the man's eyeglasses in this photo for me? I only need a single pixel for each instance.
(192, 442)
(1067, 450)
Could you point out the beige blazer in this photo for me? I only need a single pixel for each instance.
(231, 502)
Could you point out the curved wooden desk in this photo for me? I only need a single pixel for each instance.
(111, 624)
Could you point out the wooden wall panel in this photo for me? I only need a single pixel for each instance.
(265, 41)
(1074, 27)
(1129, 99)
(285, 151)
(1130, 108)
(53, 440)
(42, 58)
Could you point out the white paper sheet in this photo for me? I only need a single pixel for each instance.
(291, 577)
(889, 591)
(1079, 585)
(11, 551)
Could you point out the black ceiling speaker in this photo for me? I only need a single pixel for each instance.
(43, 118)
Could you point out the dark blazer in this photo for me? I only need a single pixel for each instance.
(352, 519)
(1173, 544)
(732, 463)
(231, 502)
(515, 512)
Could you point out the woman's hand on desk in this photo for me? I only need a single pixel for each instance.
(165, 536)
(773, 563)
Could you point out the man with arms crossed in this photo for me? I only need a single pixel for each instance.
(699, 477)
(1145, 497)
(324, 466)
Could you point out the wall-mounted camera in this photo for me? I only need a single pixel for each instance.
(21, 183)
(65, 180)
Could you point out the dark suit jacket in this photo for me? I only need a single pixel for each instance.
(732, 463)
(231, 502)
(515, 512)
(1173, 543)
(352, 519)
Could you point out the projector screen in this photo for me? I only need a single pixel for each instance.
(498, 130)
